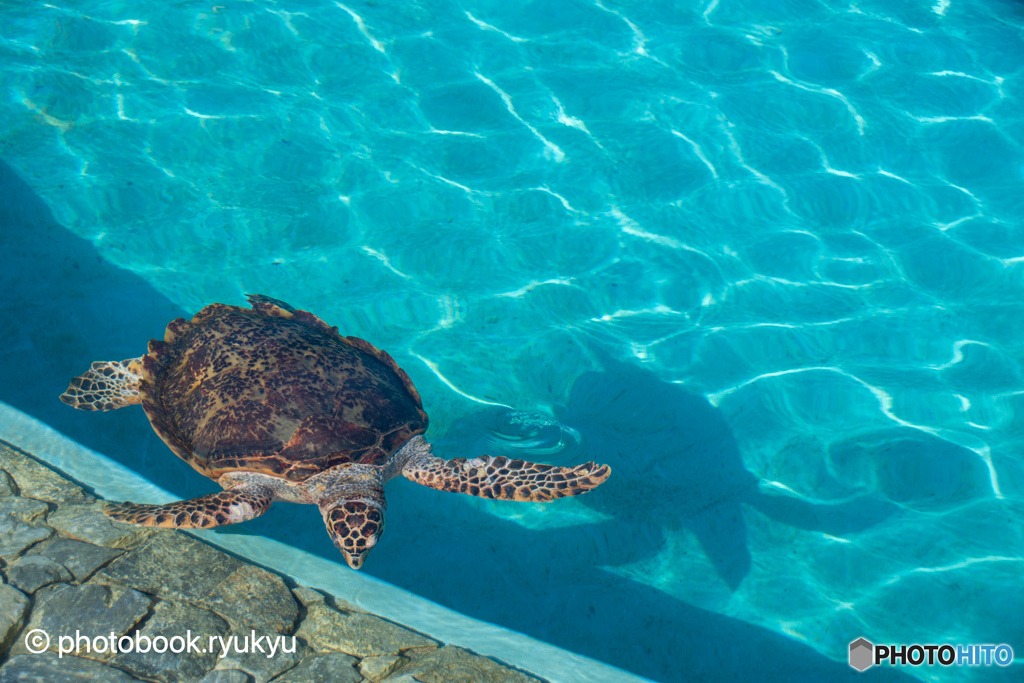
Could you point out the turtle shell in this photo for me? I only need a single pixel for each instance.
(275, 390)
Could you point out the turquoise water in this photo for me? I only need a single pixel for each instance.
(765, 259)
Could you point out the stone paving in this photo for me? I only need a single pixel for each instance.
(75, 581)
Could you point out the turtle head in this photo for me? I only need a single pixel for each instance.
(355, 526)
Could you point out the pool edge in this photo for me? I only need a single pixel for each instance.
(109, 479)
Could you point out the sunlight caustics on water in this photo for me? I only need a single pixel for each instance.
(765, 259)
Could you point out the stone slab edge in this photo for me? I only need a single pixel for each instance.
(113, 481)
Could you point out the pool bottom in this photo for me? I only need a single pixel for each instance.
(111, 480)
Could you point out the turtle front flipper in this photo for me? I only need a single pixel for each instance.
(108, 385)
(216, 509)
(505, 479)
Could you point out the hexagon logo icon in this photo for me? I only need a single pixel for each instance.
(861, 654)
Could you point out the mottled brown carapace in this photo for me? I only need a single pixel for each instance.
(273, 404)
(275, 390)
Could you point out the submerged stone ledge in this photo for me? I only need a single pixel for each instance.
(67, 570)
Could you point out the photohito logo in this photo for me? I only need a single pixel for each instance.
(864, 654)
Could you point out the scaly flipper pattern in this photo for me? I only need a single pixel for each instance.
(505, 479)
(108, 385)
(216, 509)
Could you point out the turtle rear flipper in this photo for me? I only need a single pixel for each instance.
(505, 479)
(216, 509)
(108, 385)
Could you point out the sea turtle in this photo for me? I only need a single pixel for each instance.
(273, 404)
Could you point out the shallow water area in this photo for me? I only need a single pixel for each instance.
(762, 259)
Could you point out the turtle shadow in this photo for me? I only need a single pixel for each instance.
(64, 306)
(676, 467)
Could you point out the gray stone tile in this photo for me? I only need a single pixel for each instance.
(13, 610)
(47, 668)
(43, 483)
(80, 558)
(451, 664)
(7, 485)
(24, 509)
(88, 523)
(356, 633)
(16, 535)
(226, 676)
(308, 596)
(174, 566)
(171, 620)
(31, 572)
(251, 597)
(332, 666)
(272, 654)
(379, 667)
(90, 610)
